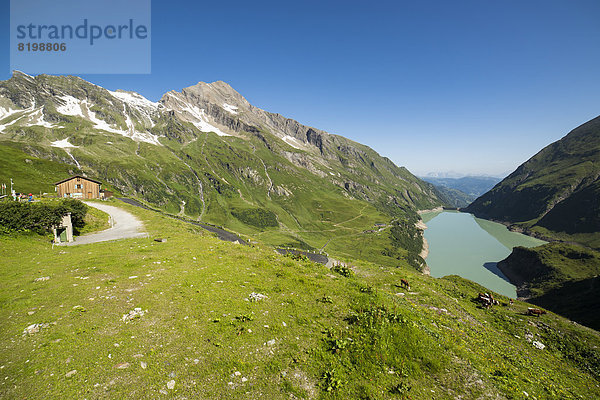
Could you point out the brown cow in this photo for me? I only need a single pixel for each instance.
(404, 283)
(535, 311)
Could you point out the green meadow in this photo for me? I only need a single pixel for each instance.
(203, 330)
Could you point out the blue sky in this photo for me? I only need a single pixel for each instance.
(467, 86)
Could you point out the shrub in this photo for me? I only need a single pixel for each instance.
(297, 257)
(375, 316)
(331, 381)
(400, 389)
(366, 289)
(342, 270)
(257, 217)
(39, 217)
(77, 209)
(244, 317)
(325, 299)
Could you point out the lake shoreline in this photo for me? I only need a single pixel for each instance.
(425, 250)
(459, 243)
(436, 209)
(513, 227)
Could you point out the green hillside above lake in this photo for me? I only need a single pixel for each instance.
(559, 277)
(554, 194)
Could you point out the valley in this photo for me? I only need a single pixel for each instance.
(191, 315)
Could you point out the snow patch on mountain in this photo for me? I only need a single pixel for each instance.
(25, 113)
(134, 99)
(6, 112)
(63, 144)
(130, 132)
(230, 108)
(30, 117)
(202, 121)
(197, 116)
(80, 108)
(71, 106)
(292, 141)
(37, 118)
(146, 108)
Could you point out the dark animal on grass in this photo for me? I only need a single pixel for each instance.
(535, 311)
(404, 283)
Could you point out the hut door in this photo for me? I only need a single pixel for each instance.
(89, 195)
(63, 235)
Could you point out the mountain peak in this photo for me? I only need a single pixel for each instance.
(19, 74)
(218, 92)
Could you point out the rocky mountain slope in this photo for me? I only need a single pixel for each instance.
(207, 153)
(556, 193)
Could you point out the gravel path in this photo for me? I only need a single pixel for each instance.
(125, 225)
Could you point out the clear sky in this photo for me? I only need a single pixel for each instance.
(467, 86)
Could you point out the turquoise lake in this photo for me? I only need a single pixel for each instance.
(460, 244)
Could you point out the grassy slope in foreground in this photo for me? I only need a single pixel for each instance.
(560, 277)
(315, 331)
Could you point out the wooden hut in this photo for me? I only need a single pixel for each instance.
(78, 187)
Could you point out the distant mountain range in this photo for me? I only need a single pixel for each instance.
(204, 153)
(460, 192)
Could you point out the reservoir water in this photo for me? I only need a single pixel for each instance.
(460, 244)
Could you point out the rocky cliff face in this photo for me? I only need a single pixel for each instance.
(232, 113)
(522, 267)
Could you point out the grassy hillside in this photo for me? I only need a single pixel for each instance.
(326, 193)
(226, 182)
(560, 277)
(30, 174)
(316, 335)
(555, 193)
